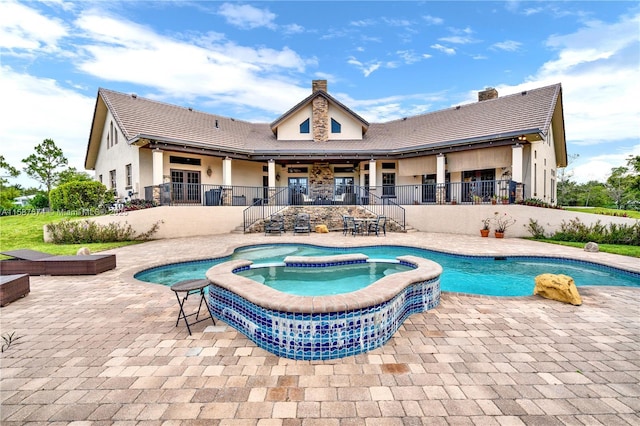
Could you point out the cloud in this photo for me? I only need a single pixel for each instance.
(599, 167)
(41, 108)
(410, 57)
(246, 16)
(432, 20)
(444, 49)
(221, 72)
(25, 30)
(507, 45)
(366, 69)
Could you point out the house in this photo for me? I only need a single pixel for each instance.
(322, 152)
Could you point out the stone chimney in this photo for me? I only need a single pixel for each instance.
(318, 85)
(486, 94)
(320, 112)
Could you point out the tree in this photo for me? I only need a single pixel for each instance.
(72, 175)
(42, 165)
(621, 185)
(565, 186)
(7, 170)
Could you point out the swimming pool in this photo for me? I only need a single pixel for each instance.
(483, 275)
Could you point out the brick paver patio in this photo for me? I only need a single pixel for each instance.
(105, 350)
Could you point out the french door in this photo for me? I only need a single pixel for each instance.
(185, 186)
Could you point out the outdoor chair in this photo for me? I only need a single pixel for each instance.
(350, 226)
(302, 224)
(378, 225)
(34, 262)
(275, 224)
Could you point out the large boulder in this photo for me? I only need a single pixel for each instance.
(557, 287)
(591, 247)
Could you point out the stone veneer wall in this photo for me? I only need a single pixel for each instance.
(323, 215)
(320, 119)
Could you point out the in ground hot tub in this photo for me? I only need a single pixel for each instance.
(322, 327)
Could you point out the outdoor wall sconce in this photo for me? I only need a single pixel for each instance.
(209, 171)
(522, 138)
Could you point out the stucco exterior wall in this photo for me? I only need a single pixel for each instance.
(543, 162)
(290, 129)
(116, 157)
(467, 219)
(349, 128)
(187, 221)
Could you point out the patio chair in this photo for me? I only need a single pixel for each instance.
(275, 224)
(302, 224)
(350, 225)
(379, 224)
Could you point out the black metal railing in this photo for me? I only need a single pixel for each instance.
(482, 191)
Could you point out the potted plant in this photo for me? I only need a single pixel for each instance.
(477, 199)
(486, 226)
(505, 199)
(501, 223)
(494, 199)
(454, 201)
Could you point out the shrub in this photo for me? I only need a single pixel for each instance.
(139, 205)
(536, 230)
(76, 195)
(87, 231)
(574, 230)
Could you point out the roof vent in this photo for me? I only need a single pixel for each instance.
(134, 96)
(217, 124)
(524, 92)
(458, 107)
(190, 109)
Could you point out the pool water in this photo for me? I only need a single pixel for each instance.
(492, 276)
(310, 281)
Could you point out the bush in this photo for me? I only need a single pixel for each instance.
(535, 202)
(138, 205)
(76, 195)
(576, 231)
(87, 231)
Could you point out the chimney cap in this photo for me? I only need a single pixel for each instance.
(317, 85)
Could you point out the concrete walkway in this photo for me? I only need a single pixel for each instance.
(105, 350)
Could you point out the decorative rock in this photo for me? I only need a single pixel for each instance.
(83, 251)
(322, 229)
(591, 247)
(557, 287)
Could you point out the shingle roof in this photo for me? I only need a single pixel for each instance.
(528, 112)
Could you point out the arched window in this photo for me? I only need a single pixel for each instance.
(304, 126)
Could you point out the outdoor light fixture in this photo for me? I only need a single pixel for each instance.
(522, 138)
(209, 171)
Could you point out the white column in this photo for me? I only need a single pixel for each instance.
(226, 172)
(372, 174)
(516, 163)
(271, 173)
(157, 167)
(440, 168)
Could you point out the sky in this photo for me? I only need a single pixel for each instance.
(255, 60)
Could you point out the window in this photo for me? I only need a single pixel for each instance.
(108, 142)
(110, 137)
(389, 166)
(112, 179)
(100, 178)
(115, 136)
(388, 183)
(184, 160)
(128, 174)
(304, 126)
(335, 126)
(343, 185)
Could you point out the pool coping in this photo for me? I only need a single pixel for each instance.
(380, 291)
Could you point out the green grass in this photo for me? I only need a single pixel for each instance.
(27, 232)
(601, 210)
(632, 251)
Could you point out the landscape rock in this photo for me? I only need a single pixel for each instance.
(322, 229)
(83, 251)
(557, 287)
(591, 247)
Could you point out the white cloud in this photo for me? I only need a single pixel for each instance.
(23, 28)
(599, 167)
(182, 69)
(458, 39)
(246, 16)
(40, 109)
(366, 69)
(444, 49)
(508, 45)
(432, 20)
